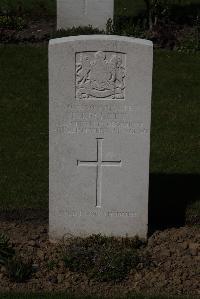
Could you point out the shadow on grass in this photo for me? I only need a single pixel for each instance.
(169, 198)
(174, 201)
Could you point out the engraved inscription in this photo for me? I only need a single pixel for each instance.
(100, 75)
(99, 163)
(100, 119)
(99, 213)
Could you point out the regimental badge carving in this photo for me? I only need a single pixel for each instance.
(100, 75)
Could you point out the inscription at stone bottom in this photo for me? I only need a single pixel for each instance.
(100, 75)
(98, 164)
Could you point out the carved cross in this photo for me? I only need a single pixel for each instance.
(99, 163)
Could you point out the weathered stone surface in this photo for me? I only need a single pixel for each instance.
(84, 12)
(100, 109)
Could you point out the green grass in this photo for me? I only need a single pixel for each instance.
(129, 7)
(24, 121)
(175, 146)
(30, 7)
(91, 256)
(24, 126)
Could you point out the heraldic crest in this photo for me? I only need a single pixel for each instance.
(100, 75)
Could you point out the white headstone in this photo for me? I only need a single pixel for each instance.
(100, 110)
(74, 13)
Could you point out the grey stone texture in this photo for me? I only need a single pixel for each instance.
(83, 13)
(99, 135)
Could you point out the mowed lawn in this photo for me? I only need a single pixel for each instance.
(175, 138)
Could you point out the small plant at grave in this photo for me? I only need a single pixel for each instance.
(125, 27)
(102, 258)
(110, 27)
(81, 30)
(51, 264)
(12, 22)
(18, 270)
(6, 250)
(188, 42)
(157, 11)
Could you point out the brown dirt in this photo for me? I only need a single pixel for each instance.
(174, 255)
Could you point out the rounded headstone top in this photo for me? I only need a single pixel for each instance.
(101, 37)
